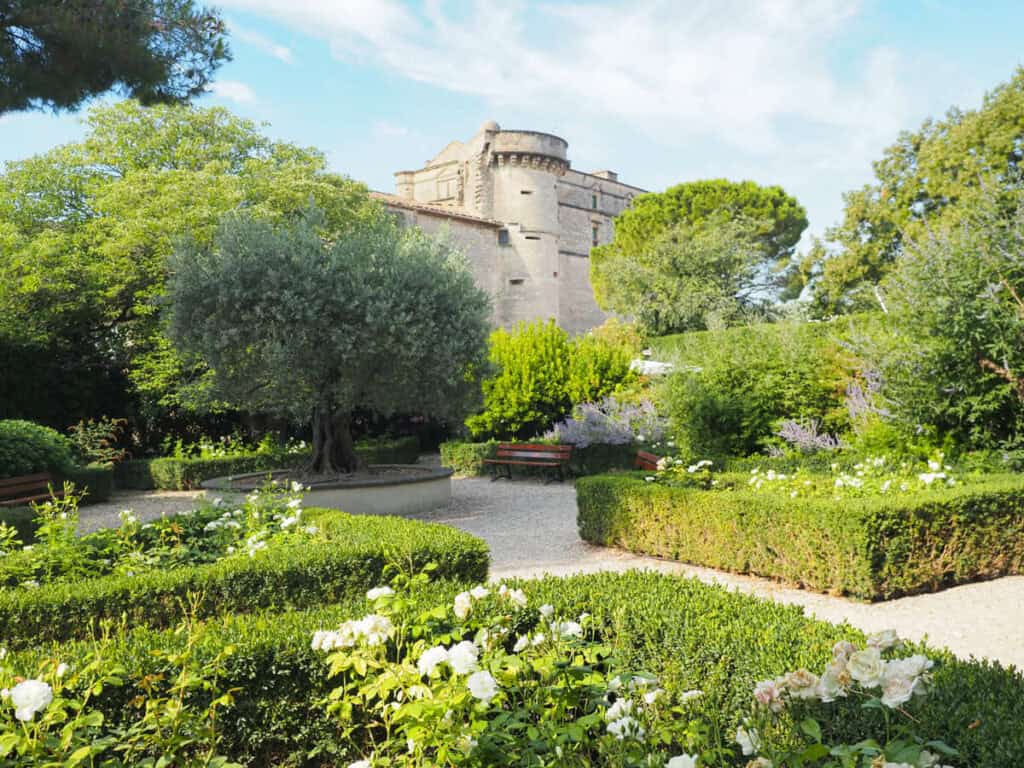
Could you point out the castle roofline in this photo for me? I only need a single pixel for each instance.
(433, 209)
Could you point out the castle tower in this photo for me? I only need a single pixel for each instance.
(524, 170)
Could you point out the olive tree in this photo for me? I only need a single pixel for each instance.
(298, 326)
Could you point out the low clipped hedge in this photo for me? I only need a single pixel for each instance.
(301, 575)
(182, 474)
(467, 459)
(95, 480)
(870, 547)
(692, 635)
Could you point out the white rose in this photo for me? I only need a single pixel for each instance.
(652, 696)
(521, 644)
(682, 761)
(867, 667)
(749, 740)
(691, 695)
(621, 708)
(478, 593)
(463, 657)
(463, 602)
(568, 629)
(897, 690)
(377, 592)
(62, 669)
(833, 684)
(768, 694)
(375, 629)
(625, 726)
(801, 684)
(518, 597)
(360, 764)
(430, 659)
(844, 649)
(883, 640)
(482, 685)
(29, 697)
(547, 611)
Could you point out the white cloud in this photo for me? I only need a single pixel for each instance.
(265, 44)
(232, 90)
(757, 79)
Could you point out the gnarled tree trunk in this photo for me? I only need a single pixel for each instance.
(333, 449)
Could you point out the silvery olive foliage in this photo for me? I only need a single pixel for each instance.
(381, 318)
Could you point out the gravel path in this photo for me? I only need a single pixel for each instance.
(531, 530)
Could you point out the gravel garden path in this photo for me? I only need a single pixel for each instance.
(531, 530)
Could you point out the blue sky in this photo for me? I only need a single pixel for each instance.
(801, 93)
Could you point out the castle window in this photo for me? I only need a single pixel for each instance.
(525, 191)
(595, 231)
(593, 202)
(516, 281)
(446, 188)
(533, 237)
(502, 237)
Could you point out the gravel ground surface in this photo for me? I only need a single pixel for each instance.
(531, 529)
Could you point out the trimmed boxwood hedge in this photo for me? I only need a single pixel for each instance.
(289, 576)
(692, 635)
(870, 547)
(467, 459)
(96, 480)
(182, 474)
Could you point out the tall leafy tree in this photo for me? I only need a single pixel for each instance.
(58, 53)
(938, 173)
(311, 328)
(86, 229)
(696, 252)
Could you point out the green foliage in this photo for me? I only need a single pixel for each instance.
(98, 441)
(930, 177)
(697, 253)
(383, 319)
(95, 480)
(871, 547)
(539, 374)
(22, 520)
(350, 558)
(27, 448)
(954, 362)
(86, 230)
(56, 56)
(690, 277)
(692, 635)
(467, 459)
(731, 388)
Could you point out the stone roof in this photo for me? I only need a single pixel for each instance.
(433, 209)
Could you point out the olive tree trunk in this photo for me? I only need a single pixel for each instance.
(333, 449)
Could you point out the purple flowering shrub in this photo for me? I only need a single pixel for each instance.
(806, 436)
(610, 422)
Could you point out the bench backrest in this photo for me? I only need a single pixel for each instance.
(646, 460)
(534, 451)
(26, 485)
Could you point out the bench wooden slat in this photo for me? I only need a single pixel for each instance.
(41, 478)
(528, 463)
(530, 455)
(647, 460)
(19, 491)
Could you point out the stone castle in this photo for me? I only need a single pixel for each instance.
(525, 220)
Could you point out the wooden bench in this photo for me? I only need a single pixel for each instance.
(553, 457)
(647, 461)
(24, 490)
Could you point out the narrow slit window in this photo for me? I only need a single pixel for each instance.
(593, 202)
(533, 237)
(525, 191)
(516, 281)
(502, 237)
(595, 231)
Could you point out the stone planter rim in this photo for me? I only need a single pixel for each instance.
(423, 475)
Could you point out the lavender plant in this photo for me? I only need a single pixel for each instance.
(807, 437)
(610, 422)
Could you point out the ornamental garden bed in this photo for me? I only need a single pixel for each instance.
(266, 553)
(870, 546)
(704, 647)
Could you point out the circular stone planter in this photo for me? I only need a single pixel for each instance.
(400, 490)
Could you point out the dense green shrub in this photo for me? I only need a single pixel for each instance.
(27, 448)
(540, 374)
(870, 547)
(184, 473)
(352, 559)
(692, 635)
(95, 480)
(22, 519)
(732, 387)
(467, 459)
